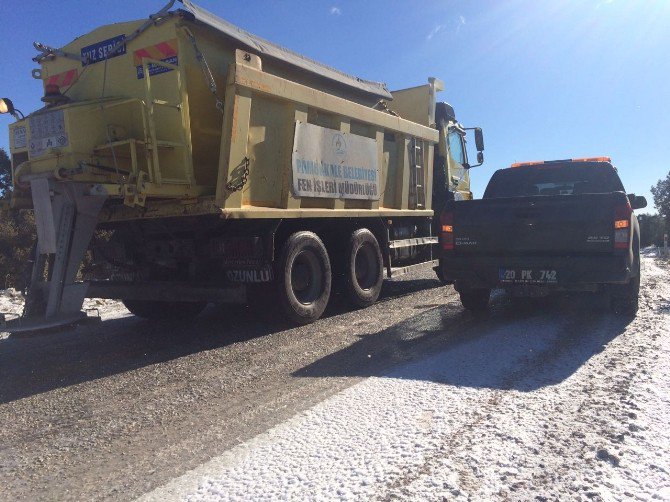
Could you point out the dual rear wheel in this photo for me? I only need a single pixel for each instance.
(305, 278)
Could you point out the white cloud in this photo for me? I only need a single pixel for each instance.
(461, 22)
(441, 27)
(434, 31)
(335, 11)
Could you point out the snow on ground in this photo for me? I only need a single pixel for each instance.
(541, 406)
(11, 303)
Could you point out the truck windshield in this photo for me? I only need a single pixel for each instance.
(561, 179)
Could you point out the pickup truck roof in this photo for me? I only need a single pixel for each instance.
(554, 178)
(562, 161)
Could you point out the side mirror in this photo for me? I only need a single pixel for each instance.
(479, 140)
(480, 157)
(637, 201)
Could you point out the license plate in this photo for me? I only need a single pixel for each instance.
(528, 276)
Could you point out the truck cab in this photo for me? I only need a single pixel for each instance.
(451, 163)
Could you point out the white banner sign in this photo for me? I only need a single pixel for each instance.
(20, 139)
(334, 164)
(47, 130)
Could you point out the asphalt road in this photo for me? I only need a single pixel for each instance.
(113, 410)
(554, 399)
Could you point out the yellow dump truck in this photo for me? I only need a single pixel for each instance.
(186, 161)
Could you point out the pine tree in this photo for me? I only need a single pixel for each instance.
(17, 234)
(661, 193)
(5, 173)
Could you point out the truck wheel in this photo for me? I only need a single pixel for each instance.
(624, 298)
(476, 300)
(304, 277)
(364, 268)
(151, 309)
(439, 272)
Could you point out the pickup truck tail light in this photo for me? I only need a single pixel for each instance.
(447, 230)
(622, 214)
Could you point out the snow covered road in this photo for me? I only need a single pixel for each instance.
(559, 400)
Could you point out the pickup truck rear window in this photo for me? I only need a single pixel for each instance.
(561, 179)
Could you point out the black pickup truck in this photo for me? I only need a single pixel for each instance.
(564, 225)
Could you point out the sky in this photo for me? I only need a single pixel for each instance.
(544, 79)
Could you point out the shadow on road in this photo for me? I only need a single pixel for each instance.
(39, 363)
(518, 345)
(521, 345)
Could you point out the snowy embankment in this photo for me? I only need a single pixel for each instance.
(553, 404)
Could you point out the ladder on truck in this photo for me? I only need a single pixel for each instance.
(150, 144)
(152, 103)
(417, 176)
(416, 200)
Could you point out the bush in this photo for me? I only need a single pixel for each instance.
(652, 228)
(17, 237)
(661, 194)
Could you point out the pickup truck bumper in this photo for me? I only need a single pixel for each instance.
(572, 272)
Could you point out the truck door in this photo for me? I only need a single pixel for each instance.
(458, 178)
(450, 179)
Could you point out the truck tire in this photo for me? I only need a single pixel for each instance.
(476, 300)
(439, 272)
(364, 272)
(303, 278)
(624, 298)
(151, 309)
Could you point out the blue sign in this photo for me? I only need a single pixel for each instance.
(102, 50)
(156, 69)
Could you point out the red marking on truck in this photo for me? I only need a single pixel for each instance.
(166, 49)
(63, 79)
(159, 51)
(140, 54)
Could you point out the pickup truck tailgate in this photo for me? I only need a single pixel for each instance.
(535, 224)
